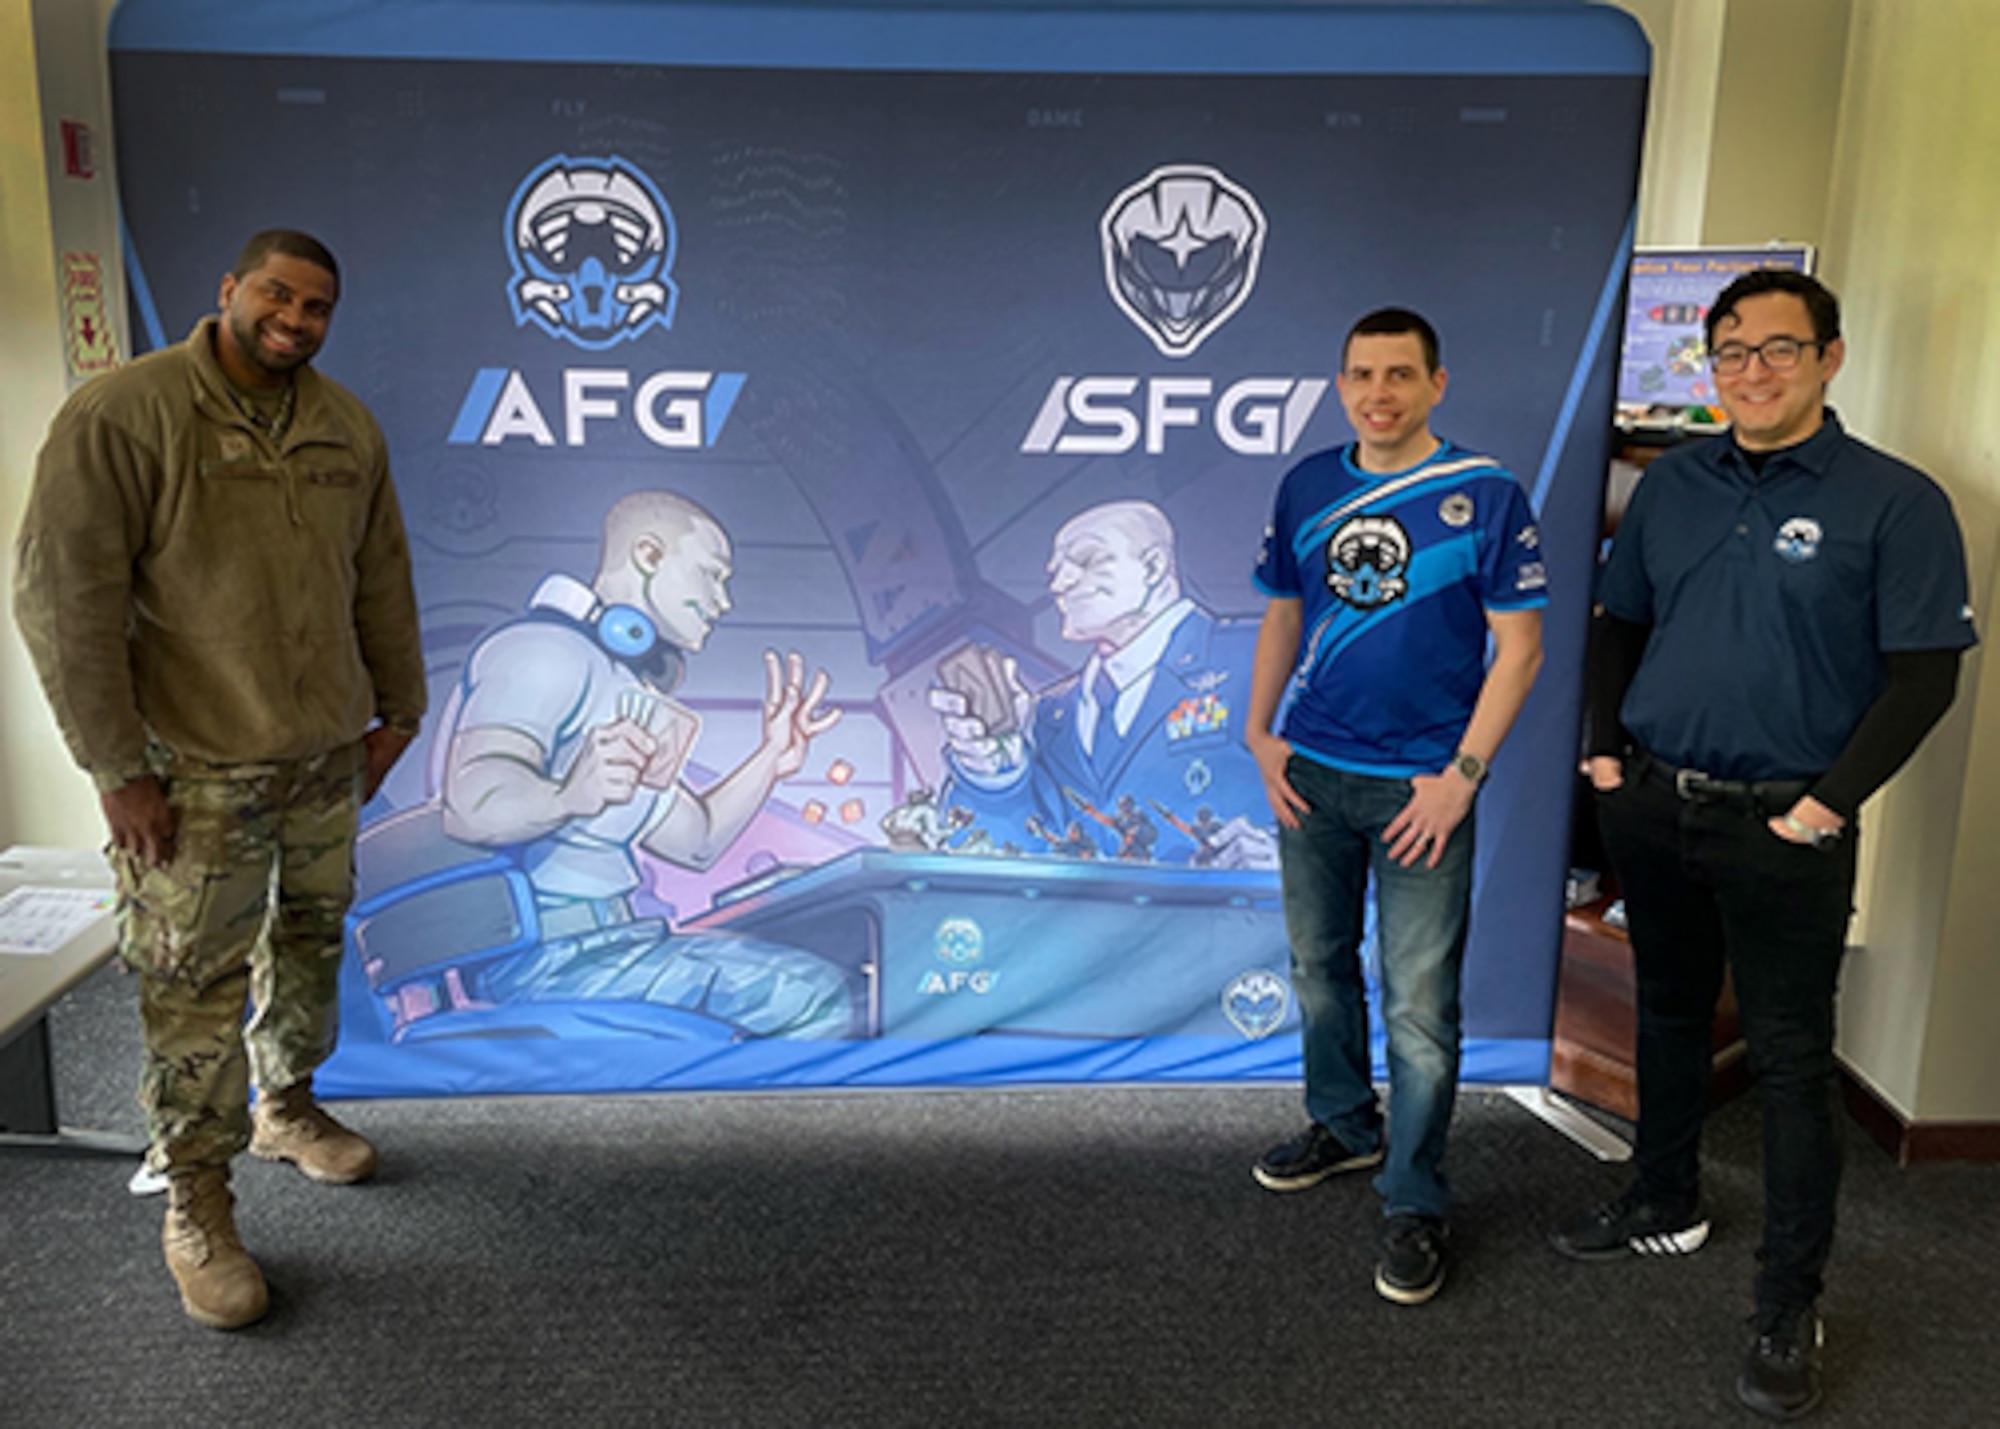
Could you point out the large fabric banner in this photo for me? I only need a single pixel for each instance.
(796, 409)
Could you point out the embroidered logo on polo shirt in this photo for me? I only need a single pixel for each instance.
(1798, 539)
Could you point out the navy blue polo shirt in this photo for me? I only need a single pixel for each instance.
(1773, 598)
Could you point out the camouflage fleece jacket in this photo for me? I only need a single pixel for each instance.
(181, 579)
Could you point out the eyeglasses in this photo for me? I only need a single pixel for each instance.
(1780, 354)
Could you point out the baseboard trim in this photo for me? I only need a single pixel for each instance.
(1912, 1142)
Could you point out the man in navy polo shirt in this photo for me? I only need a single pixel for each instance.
(1781, 620)
(1388, 563)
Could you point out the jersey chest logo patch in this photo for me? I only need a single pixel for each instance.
(1798, 539)
(1368, 562)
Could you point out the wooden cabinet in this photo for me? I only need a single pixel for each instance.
(1597, 1020)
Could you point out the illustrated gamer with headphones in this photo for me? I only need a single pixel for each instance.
(563, 747)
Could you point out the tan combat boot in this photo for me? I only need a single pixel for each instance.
(291, 1126)
(221, 1286)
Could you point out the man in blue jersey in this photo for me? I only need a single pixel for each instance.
(1782, 618)
(1388, 563)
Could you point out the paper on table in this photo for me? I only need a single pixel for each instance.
(40, 920)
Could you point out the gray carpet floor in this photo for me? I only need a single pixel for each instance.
(1056, 1257)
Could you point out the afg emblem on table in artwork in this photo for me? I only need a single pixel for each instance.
(1798, 539)
(1181, 248)
(959, 941)
(592, 242)
(1256, 1002)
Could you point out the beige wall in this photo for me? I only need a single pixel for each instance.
(1913, 214)
(1740, 128)
(1680, 116)
(1777, 106)
(42, 798)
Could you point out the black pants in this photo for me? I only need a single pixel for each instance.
(1707, 882)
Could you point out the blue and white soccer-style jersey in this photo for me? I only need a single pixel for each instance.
(1395, 573)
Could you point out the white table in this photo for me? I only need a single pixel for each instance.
(31, 983)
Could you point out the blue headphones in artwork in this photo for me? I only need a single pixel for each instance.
(627, 634)
(626, 631)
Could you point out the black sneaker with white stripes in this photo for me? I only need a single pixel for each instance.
(1630, 1226)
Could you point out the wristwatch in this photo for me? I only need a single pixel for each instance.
(1469, 765)
(1818, 838)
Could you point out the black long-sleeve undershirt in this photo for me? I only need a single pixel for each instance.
(1920, 688)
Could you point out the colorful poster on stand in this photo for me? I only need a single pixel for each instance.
(807, 401)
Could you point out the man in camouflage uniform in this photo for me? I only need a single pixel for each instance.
(213, 580)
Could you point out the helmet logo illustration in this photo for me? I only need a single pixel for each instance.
(959, 940)
(1255, 1002)
(591, 242)
(1368, 561)
(1798, 539)
(1181, 248)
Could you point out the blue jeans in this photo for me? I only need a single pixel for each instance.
(1707, 884)
(1420, 919)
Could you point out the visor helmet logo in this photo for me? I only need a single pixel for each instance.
(1368, 562)
(959, 940)
(1181, 249)
(1798, 540)
(592, 242)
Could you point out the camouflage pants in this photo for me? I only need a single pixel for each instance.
(248, 913)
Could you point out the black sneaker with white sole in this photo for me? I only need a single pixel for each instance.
(1630, 1226)
(1308, 1159)
(1411, 1269)
(1780, 1378)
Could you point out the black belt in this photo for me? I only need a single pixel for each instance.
(1768, 797)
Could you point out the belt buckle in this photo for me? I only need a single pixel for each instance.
(1690, 783)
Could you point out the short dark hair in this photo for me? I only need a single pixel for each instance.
(1821, 305)
(291, 243)
(1387, 322)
